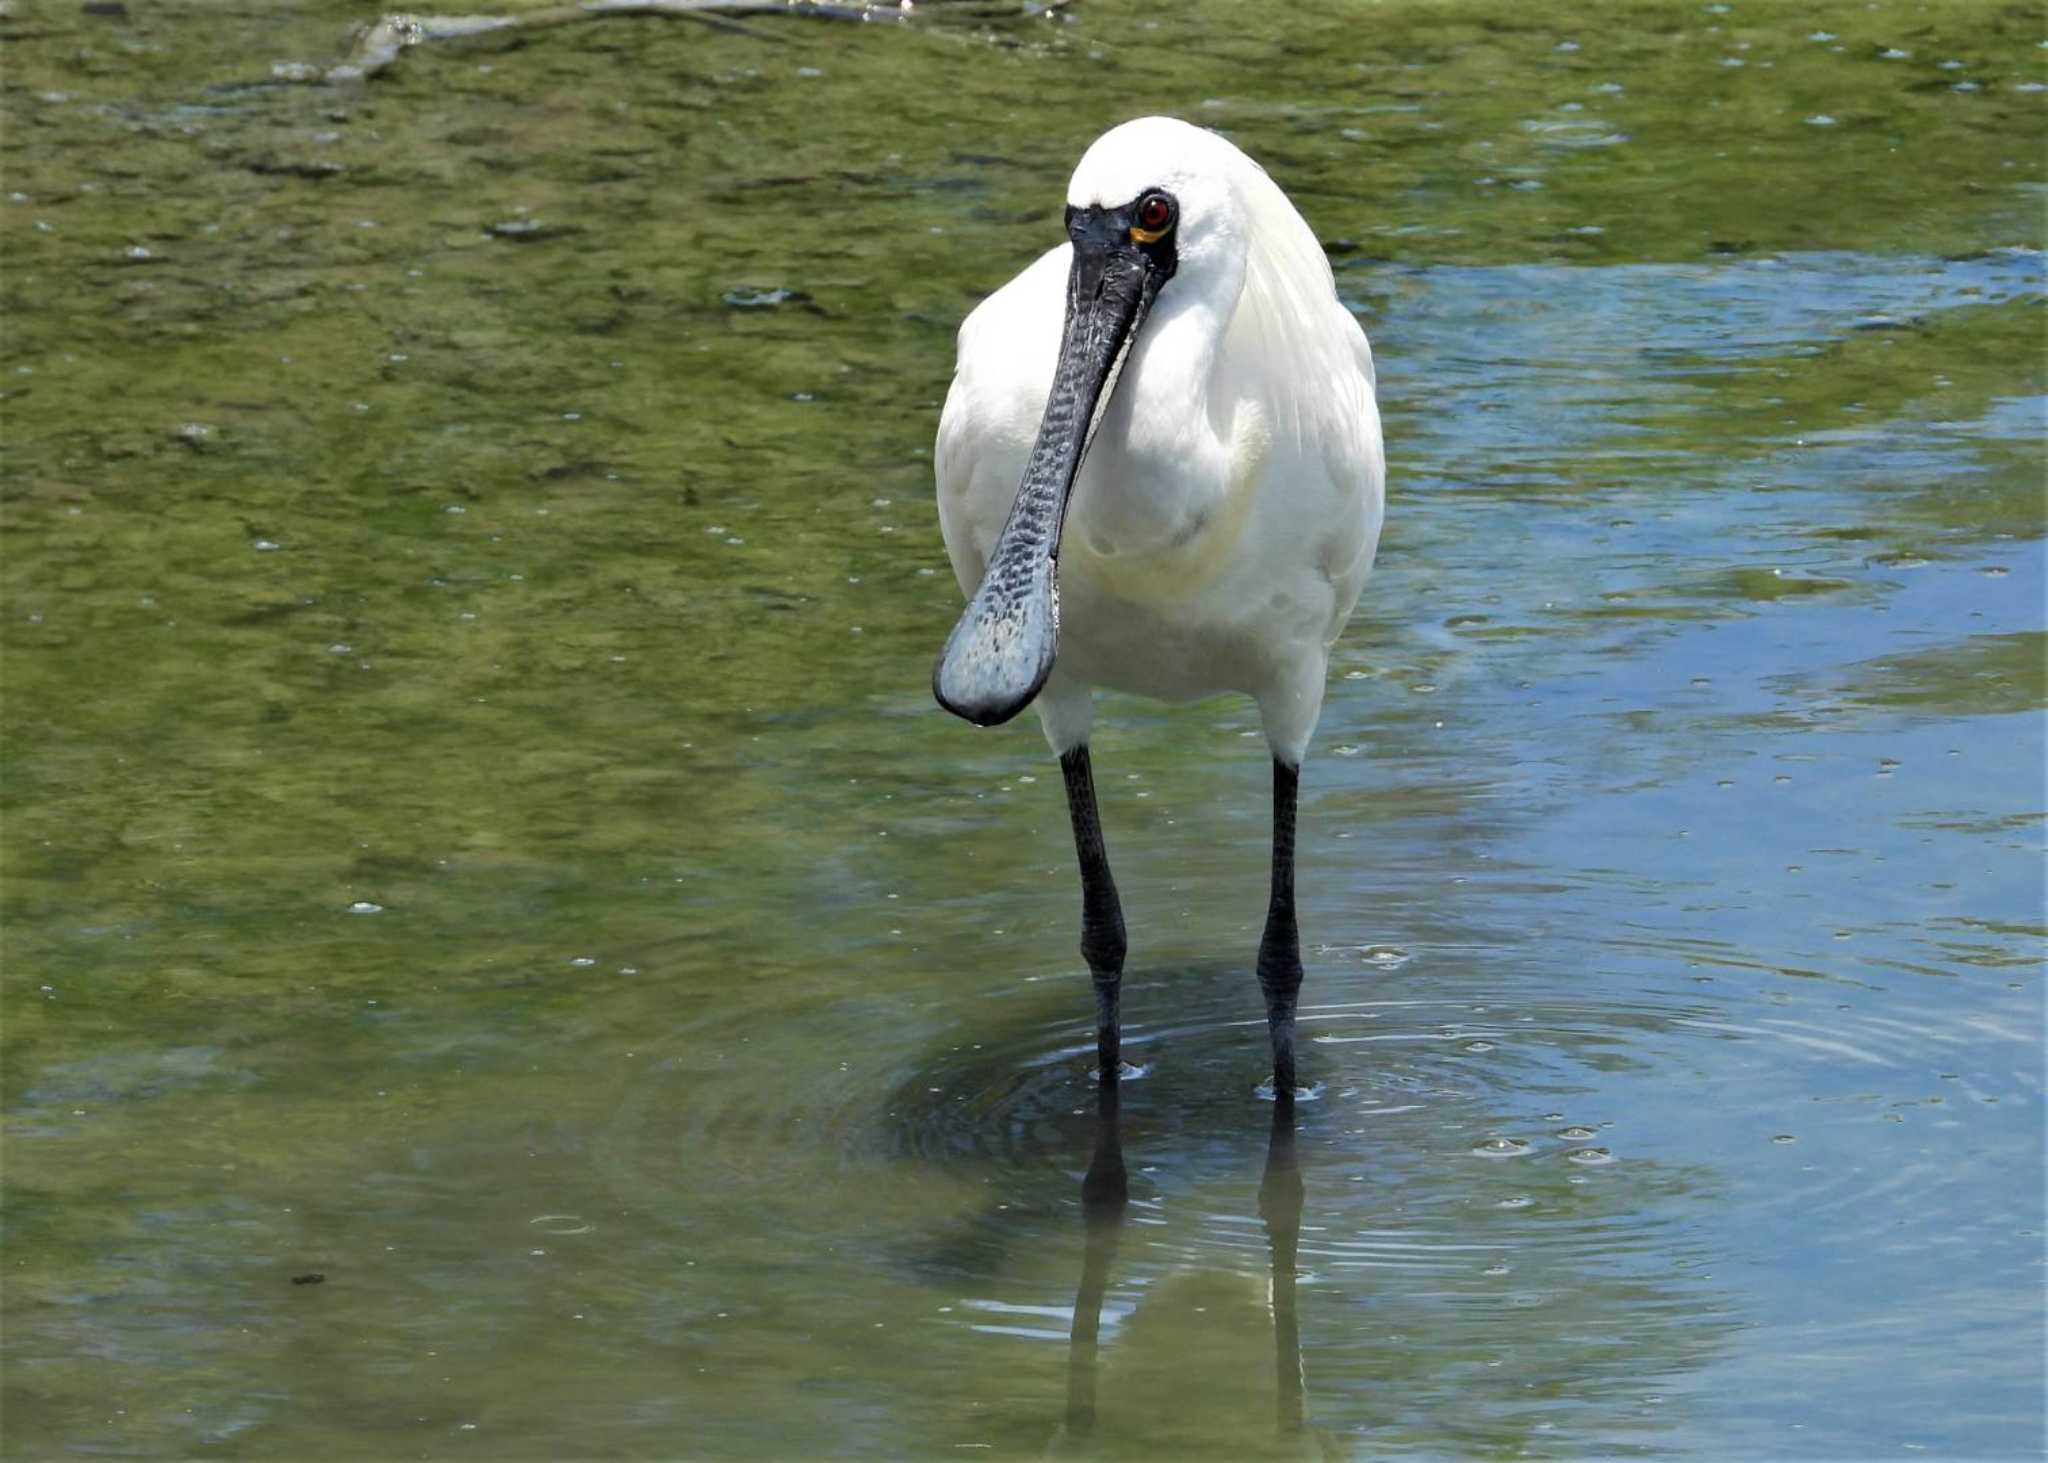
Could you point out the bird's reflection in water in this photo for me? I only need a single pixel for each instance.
(1280, 1194)
(1105, 1192)
(1105, 1195)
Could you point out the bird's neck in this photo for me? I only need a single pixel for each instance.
(1169, 392)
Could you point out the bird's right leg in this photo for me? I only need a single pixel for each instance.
(1102, 914)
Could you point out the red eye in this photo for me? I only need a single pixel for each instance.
(1155, 214)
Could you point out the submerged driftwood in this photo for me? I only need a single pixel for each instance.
(382, 42)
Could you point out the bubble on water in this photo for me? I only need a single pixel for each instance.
(753, 297)
(561, 1224)
(1822, 35)
(1495, 1270)
(363, 906)
(265, 546)
(1386, 957)
(1125, 1072)
(1501, 1148)
(1783, 1138)
(1589, 1156)
(1577, 1133)
(139, 253)
(582, 961)
(1820, 119)
(1893, 53)
(1514, 1201)
(1478, 1046)
(1345, 751)
(1311, 1093)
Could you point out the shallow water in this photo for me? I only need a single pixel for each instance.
(476, 830)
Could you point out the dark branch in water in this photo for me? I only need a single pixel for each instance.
(379, 46)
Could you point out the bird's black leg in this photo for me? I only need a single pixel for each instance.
(1102, 916)
(1280, 946)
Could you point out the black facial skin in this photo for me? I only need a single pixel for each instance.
(1110, 228)
(999, 654)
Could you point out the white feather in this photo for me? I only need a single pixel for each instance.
(1227, 515)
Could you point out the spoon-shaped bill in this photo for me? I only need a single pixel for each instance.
(1002, 649)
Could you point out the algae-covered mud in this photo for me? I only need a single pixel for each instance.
(502, 958)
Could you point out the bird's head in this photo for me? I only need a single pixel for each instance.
(1171, 190)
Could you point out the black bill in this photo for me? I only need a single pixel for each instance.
(1002, 650)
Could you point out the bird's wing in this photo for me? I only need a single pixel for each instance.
(1355, 460)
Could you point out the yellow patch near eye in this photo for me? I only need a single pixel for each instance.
(1146, 236)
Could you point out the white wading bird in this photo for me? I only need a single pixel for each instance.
(1159, 470)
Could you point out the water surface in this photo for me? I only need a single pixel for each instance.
(477, 831)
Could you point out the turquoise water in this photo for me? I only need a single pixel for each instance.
(476, 830)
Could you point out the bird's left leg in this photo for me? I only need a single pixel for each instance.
(1280, 945)
(1289, 707)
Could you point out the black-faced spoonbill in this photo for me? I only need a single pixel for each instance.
(1159, 471)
